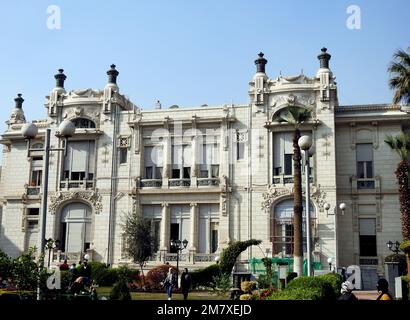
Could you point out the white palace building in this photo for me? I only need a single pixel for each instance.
(210, 175)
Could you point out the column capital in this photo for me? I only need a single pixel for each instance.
(193, 204)
(164, 204)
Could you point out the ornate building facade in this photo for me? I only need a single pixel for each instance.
(210, 175)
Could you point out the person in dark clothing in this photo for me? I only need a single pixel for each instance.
(74, 273)
(64, 266)
(383, 288)
(85, 272)
(185, 283)
(346, 292)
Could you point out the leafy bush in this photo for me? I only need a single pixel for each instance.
(231, 253)
(405, 288)
(296, 294)
(5, 265)
(205, 277)
(157, 275)
(264, 281)
(107, 277)
(223, 284)
(246, 296)
(120, 291)
(317, 288)
(25, 272)
(335, 280)
(248, 286)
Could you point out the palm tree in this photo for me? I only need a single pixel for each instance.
(401, 145)
(400, 76)
(296, 116)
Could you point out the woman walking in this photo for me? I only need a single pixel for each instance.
(169, 283)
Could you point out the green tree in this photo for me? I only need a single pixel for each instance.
(296, 116)
(401, 145)
(399, 70)
(137, 232)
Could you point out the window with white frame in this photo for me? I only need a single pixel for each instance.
(241, 139)
(181, 161)
(153, 214)
(79, 161)
(208, 228)
(153, 162)
(364, 159)
(209, 167)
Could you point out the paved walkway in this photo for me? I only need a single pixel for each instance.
(366, 295)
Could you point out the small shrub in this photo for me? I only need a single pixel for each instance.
(335, 280)
(120, 291)
(405, 288)
(5, 265)
(246, 296)
(264, 281)
(107, 277)
(296, 294)
(223, 284)
(157, 275)
(264, 294)
(316, 286)
(248, 286)
(205, 277)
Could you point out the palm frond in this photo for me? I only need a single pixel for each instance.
(294, 115)
(399, 144)
(399, 70)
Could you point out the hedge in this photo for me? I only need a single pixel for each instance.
(231, 253)
(325, 287)
(205, 277)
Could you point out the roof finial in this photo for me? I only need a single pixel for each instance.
(60, 78)
(324, 58)
(19, 101)
(112, 74)
(260, 63)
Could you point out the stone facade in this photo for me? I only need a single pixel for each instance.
(211, 175)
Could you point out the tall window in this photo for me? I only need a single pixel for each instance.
(181, 161)
(209, 167)
(367, 237)
(153, 162)
(152, 213)
(83, 123)
(364, 158)
(123, 155)
(79, 161)
(208, 228)
(282, 153)
(36, 176)
(240, 145)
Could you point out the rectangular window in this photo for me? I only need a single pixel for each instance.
(187, 172)
(79, 161)
(153, 162)
(33, 211)
(36, 177)
(367, 237)
(240, 150)
(123, 155)
(209, 167)
(176, 174)
(364, 158)
(32, 224)
(288, 164)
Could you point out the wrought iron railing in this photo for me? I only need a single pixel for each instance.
(76, 184)
(33, 190)
(151, 183)
(286, 179)
(179, 182)
(208, 182)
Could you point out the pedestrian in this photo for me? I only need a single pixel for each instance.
(85, 272)
(73, 273)
(169, 283)
(64, 266)
(346, 292)
(185, 283)
(383, 288)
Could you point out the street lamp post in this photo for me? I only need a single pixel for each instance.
(305, 143)
(393, 246)
(29, 131)
(50, 245)
(178, 245)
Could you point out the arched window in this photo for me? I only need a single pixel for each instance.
(83, 123)
(282, 229)
(75, 231)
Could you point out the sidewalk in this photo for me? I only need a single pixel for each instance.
(366, 295)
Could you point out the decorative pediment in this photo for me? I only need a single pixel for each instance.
(318, 195)
(299, 79)
(85, 93)
(91, 197)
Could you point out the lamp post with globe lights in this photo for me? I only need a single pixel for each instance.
(178, 245)
(66, 129)
(305, 143)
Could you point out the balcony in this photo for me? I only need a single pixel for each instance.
(179, 182)
(287, 179)
(151, 183)
(76, 184)
(365, 185)
(208, 182)
(33, 190)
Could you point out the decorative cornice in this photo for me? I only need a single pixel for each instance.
(367, 107)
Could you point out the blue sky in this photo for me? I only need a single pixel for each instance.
(194, 52)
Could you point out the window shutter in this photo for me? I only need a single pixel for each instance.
(187, 155)
(79, 156)
(367, 227)
(91, 157)
(364, 152)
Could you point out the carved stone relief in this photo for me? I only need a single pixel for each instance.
(92, 197)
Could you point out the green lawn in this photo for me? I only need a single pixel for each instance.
(195, 295)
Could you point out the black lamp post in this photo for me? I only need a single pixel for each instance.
(178, 246)
(393, 246)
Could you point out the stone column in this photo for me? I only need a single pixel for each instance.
(165, 229)
(194, 160)
(194, 228)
